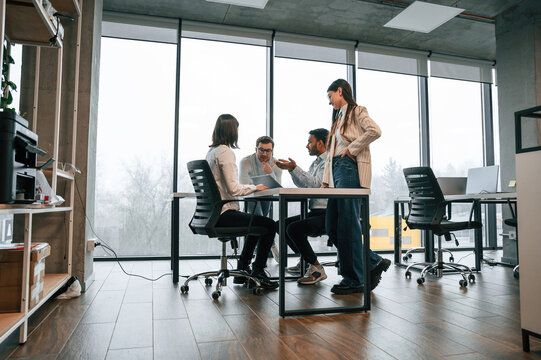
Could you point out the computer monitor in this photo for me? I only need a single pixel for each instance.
(482, 180)
(452, 185)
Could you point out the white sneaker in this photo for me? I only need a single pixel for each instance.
(314, 274)
(275, 253)
(295, 269)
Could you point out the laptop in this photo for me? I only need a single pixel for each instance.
(266, 180)
(452, 185)
(482, 180)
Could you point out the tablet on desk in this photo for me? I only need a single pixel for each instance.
(266, 180)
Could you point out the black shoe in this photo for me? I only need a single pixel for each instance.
(375, 274)
(342, 289)
(240, 279)
(264, 280)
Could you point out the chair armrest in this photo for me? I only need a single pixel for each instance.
(473, 205)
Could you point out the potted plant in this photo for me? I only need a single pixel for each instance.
(7, 85)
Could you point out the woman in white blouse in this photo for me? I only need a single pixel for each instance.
(223, 164)
(348, 165)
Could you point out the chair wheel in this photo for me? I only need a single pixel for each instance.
(408, 274)
(463, 283)
(471, 277)
(184, 289)
(257, 291)
(451, 259)
(410, 256)
(208, 281)
(405, 258)
(516, 274)
(216, 294)
(420, 281)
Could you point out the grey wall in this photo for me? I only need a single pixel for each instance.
(518, 56)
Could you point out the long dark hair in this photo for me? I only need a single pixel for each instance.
(226, 131)
(347, 93)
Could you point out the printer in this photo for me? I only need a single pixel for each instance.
(18, 159)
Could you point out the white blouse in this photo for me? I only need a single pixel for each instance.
(223, 165)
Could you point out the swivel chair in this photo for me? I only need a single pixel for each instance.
(514, 223)
(207, 211)
(428, 210)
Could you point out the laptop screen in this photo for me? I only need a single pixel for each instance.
(482, 180)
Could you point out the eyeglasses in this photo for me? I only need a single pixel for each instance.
(261, 150)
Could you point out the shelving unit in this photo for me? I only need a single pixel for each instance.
(27, 22)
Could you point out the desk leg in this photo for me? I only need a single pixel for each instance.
(175, 240)
(397, 234)
(478, 237)
(365, 215)
(282, 208)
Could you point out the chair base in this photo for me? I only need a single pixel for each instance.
(409, 252)
(439, 268)
(516, 271)
(221, 276)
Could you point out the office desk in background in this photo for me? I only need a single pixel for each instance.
(477, 200)
(287, 195)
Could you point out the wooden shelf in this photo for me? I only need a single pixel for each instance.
(9, 209)
(9, 323)
(67, 6)
(36, 28)
(51, 283)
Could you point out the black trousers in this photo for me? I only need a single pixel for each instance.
(233, 218)
(297, 230)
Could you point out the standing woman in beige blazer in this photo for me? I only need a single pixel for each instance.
(348, 165)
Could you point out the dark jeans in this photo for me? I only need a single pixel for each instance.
(297, 230)
(344, 226)
(233, 218)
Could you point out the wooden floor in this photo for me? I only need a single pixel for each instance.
(129, 318)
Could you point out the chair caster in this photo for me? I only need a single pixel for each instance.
(184, 289)
(420, 281)
(471, 277)
(208, 281)
(405, 258)
(216, 294)
(257, 291)
(451, 259)
(463, 283)
(516, 274)
(408, 274)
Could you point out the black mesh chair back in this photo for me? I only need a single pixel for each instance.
(207, 198)
(427, 204)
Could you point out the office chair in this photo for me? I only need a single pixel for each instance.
(207, 211)
(513, 222)
(428, 210)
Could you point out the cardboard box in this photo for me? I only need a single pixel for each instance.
(11, 275)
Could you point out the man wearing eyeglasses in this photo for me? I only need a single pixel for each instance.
(260, 163)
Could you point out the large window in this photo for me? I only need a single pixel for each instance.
(392, 101)
(456, 136)
(135, 146)
(216, 78)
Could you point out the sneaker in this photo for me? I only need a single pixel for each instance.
(295, 269)
(275, 253)
(314, 274)
(240, 279)
(343, 289)
(375, 274)
(264, 280)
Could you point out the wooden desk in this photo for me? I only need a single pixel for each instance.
(477, 200)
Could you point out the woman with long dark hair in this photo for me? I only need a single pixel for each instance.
(223, 165)
(348, 165)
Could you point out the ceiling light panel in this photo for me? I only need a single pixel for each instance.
(259, 4)
(423, 17)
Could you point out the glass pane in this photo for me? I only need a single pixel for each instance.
(135, 146)
(300, 106)
(216, 78)
(16, 53)
(397, 148)
(456, 137)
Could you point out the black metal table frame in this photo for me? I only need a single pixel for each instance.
(283, 200)
(477, 201)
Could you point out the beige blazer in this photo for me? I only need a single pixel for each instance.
(358, 135)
